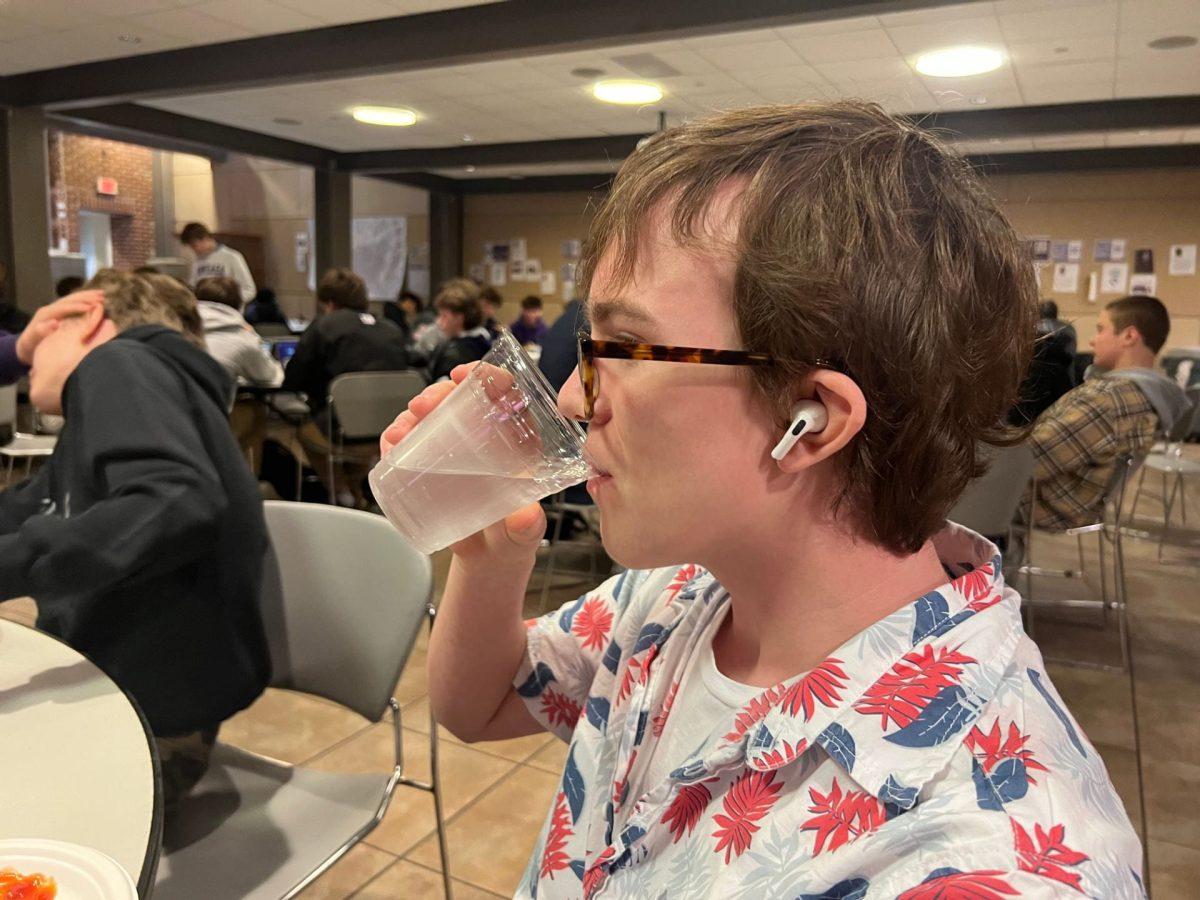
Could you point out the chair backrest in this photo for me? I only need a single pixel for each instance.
(365, 403)
(989, 503)
(1189, 421)
(272, 329)
(8, 406)
(344, 597)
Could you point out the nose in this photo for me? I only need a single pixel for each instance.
(570, 398)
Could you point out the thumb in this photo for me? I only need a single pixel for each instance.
(526, 526)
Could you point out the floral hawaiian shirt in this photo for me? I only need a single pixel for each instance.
(927, 757)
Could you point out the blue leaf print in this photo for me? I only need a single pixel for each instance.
(568, 614)
(839, 744)
(1008, 781)
(893, 793)
(932, 612)
(1035, 677)
(612, 657)
(850, 889)
(643, 717)
(763, 737)
(944, 717)
(577, 868)
(533, 686)
(573, 786)
(690, 771)
(648, 637)
(632, 835)
(941, 873)
(597, 712)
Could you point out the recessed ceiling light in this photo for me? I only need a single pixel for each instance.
(1143, 132)
(627, 92)
(994, 141)
(129, 38)
(284, 120)
(978, 101)
(467, 138)
(959, 62)
(384, 115)
(1173, 42)
(470, 168)
(587, 72)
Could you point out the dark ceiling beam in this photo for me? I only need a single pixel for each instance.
(144, 139)
(425, 180)
(1067, 118)
(1156, 157)
(597, 149)
(492, 31)
(146, 124)
(538, 184)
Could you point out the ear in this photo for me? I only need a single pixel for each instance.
(846, 408)
(94, 321)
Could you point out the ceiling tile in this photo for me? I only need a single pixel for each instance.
(785, 76)
(913, 39)
(865, 70)
(261, 16)
(843, 46)
(938, 13)
(1040, 95)
(53, 15)
(342, 11)
(730, 38)
(1161, 17)
(187, 23)
(831, 26)
(749, 57)
(1076, 21)
(1063, 50)
(1071, 73)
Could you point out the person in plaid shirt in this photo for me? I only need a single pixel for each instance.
(806, 684)
(1078, 440)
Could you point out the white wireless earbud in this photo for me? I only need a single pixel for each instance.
(808, 416)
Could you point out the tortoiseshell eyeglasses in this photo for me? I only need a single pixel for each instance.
(590, 350)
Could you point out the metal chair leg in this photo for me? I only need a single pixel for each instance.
(1168, 507)
(1137, 495)
(439, 816)
(548, 577)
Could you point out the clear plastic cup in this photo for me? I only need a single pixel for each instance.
(495, 444)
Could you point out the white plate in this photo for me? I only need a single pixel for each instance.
(80, 872)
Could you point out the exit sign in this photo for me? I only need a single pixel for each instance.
(106, 187)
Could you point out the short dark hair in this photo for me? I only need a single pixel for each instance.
(1049, 309)
(194, 231)
(219, 290)
(1146, 314)
(413, 296)
(68, 284)
(491, 295)
(531, 302)
(461, 296)
(146, 270)
(344, 289)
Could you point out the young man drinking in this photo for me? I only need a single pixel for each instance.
(804, 321)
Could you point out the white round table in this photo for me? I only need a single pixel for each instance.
(77, 761)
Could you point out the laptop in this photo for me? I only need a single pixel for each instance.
(284, 350)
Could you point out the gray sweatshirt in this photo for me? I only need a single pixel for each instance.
(1167, 398)
(225, 263)
(233, 344)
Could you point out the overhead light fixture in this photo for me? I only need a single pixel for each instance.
(978, 101)
(627, 92)
(467, 138)
(384, 115)
(587, 72)
(469, 168)
(1173, 42)
(959, 62)
(285, 120)
(129, 38)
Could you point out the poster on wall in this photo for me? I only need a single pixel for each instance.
(477, 272)
(379, 253)
(572, 248)
(566, 272)
(568, 291)
(1114, 277)
(1183, 259)
(1039, 249)
(516, 270)
(1116, 249)
(1143, 261)
(498, 274)
(494, 252)
(516, 249)
(1074, 251)
(1143, 284)
(533, 270)
(1102, 251)
(301, 246)
(1058, 251)
(1066, 278)
(549, 283)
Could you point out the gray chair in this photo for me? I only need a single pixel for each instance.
(273, 329)
(1167, 459)
(344, 597)
(989, 504)
(362, 405)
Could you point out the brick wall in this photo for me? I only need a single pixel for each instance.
(75, 162)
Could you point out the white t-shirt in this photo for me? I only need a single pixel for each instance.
(711, 700)
(225, 262)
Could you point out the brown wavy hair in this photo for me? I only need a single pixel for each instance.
(864, 239)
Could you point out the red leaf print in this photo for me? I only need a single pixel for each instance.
(901, 694)
(595, 876)
(559, 709)
(554, 858)
(787, 754)
(840, 818)
(686, 809)
(822, 683)
(592, 623)
(747, 800)
(1049, 856)
(989, 749)
(682, 577)
(659, 722)
(976, 584)
(621, 785)
(529, 623)
(637, 671)
(753, 713)
(982, 885)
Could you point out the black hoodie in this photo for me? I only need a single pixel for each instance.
(142, 538)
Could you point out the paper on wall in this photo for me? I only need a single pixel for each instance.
(1114, 277)
(1143, 283)
(1058, 251)
(533, 270)
(516, 249)
(571, 249)
(568, 291)
(1066, 278)
(1116, 249)
(1039, 249)
(302, 245)
(1102, 251)
(1183, 259)
(496, 252)
(516, 270)
(1074, 251)
(549, 283)
(498, 274)
(566, 272)
(477, 271)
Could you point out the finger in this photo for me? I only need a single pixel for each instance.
(426, 401)
(526, 526)
(459, 373)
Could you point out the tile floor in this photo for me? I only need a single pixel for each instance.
(496, 794)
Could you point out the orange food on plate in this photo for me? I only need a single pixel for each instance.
(15, 886)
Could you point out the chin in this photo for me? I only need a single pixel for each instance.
(634, 548)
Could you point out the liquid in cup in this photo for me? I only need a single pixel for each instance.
(495, 444)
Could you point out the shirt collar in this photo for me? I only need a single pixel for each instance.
(893, 703)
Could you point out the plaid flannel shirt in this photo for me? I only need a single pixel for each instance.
(1077, 441)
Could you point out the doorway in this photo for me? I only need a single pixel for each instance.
(95, 240)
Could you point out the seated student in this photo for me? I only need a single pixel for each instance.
(142, 538)
(345, 338)
(460, 319)
(1077, 441)
(1050, 323)
(530, 327)
(1050, 375)
(179, 297)
(807, 683)
(264, 309)
(68, 284)
(232, 340)
(490, 302)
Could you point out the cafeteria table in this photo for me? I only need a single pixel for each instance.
(77, 760)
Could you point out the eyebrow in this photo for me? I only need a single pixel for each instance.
(602, 311)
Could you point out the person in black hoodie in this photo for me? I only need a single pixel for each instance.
(460, 318)
(142, 538)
